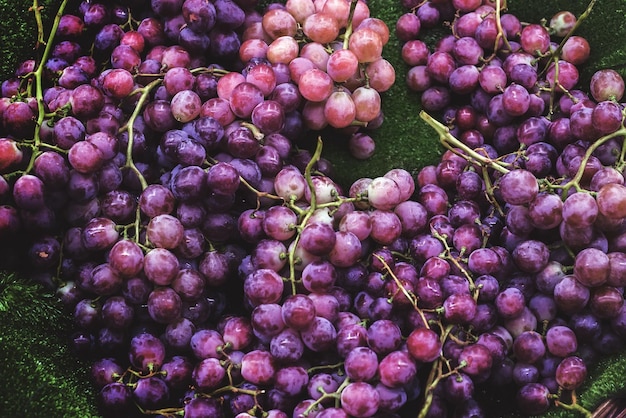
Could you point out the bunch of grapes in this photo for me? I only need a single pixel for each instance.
(527, 196)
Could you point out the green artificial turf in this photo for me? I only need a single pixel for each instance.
(40, 377)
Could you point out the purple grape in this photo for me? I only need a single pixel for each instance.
(291, 380)
(360, 399)
(383, 336)
(208, 374)
(571, 372)
(116, 396)
(146, 352)
(397, 369)
(258, 367)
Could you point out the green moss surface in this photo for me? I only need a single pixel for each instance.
(38, 375)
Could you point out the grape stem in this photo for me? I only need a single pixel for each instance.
(409, 295)
(557, 53)
(129, 127)
(435, 375)
(256, 132)
(38, 74)
(574, 406)
(500, 35)
(447, 254)
(36, 8)
(575, 181)
(349, 28)
(325, 367)
(446, 137)
(307, 213)
(325, 395)
(166, 412)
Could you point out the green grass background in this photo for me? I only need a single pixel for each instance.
(40, 378)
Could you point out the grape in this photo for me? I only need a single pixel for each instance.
(361, 364)
(185, 105)
(397, 369)
(383, 336)
(361, 146)
(570, 295)
(116, 396)
(165, 231)
(208, 373)
(360, 399)
(315, 85)
(223, 178)
(535, 39)
(291, 380)
(610, 200)
(321, 27)
(571, 372)
(567, 75)
(146, 352)
(339, 109)
(591, 267)
(408, 27)
(366, 44)
(529, 347)
(576, 50)
(381, 75)
(518, 187)
(257, 366)
(10, 152)
(160, 266)
(200, 406)
(164, 305)
(268, 116)
(319, 335)
(606, 85)
(28, 192)
(531, 256)
(516, 100)
(263, 286)
(287, 346)
(464, 79)
(189, 284)
(341, 65)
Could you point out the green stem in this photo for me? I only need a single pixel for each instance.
(447, 138)
(349, 28)
(435, 376)
(36, 9)
(574, 406)
(575, 181)
(129, 127)
(307, 214)
(39, 73)
(500, 30)
(334, 395)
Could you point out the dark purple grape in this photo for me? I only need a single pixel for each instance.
(116, 396)
(146, 352)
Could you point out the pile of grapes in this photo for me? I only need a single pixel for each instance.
(158, 174)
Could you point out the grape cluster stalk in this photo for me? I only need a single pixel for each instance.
(155, 175)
